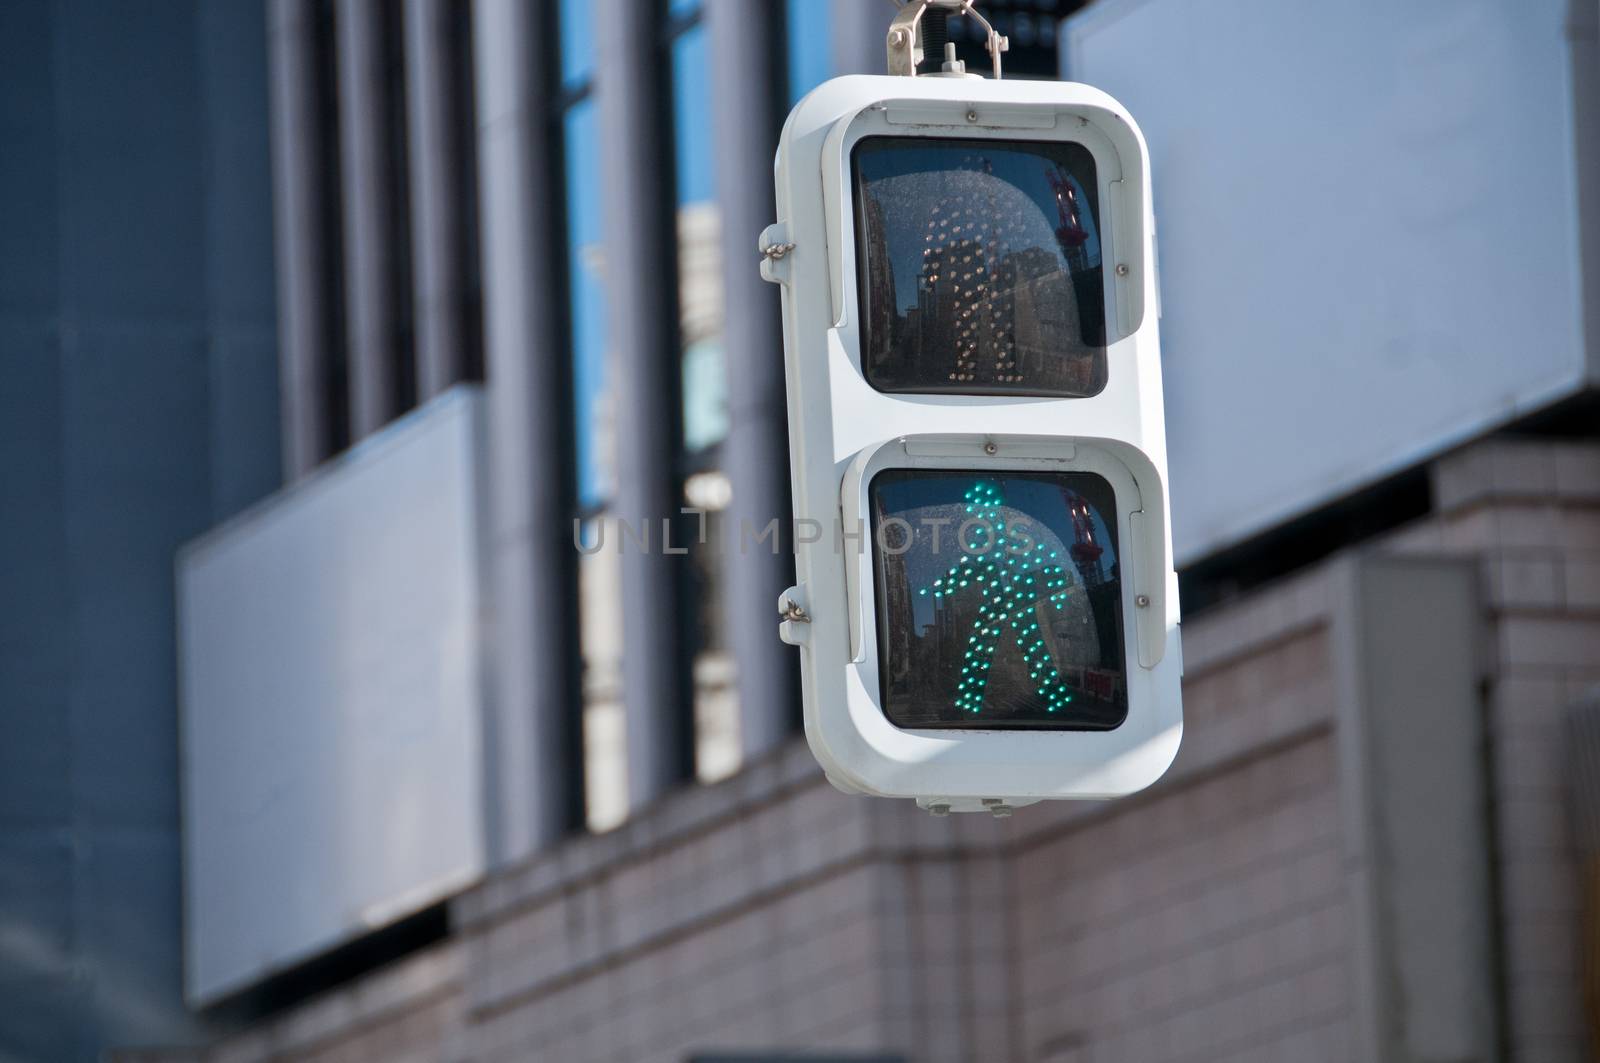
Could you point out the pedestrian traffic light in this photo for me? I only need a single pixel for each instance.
(986, 608)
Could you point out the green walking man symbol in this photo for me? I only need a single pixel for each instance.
(1014, 578)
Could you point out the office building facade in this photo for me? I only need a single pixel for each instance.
(363, 346)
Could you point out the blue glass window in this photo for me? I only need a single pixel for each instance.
(577, 42)
(810, 54)
(705, 394)
(585, 240)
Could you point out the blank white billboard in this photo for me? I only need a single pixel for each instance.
(1368, 234)
(331, 703)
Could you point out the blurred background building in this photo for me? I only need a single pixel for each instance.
(324, 323)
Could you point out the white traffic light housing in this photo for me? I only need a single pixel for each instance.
(986, 608)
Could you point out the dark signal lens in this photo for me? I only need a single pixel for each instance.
(999, 600)
(979, 267)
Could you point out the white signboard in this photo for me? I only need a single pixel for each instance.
(331, 704)
(1367, 232)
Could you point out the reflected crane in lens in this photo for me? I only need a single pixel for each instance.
(1070, 231)
(1085, 551)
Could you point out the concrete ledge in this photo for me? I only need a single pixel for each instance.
(1516, 468)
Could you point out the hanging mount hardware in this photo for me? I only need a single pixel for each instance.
(905, 37)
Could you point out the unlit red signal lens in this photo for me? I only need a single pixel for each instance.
(980, 267)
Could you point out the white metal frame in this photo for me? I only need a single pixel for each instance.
(843, 431)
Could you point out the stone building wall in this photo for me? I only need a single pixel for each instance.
(1274, 898)
(1529, 513)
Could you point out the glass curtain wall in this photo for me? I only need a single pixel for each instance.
(704, 416)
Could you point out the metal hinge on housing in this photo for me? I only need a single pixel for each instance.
(775, 247)
(793, 619)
